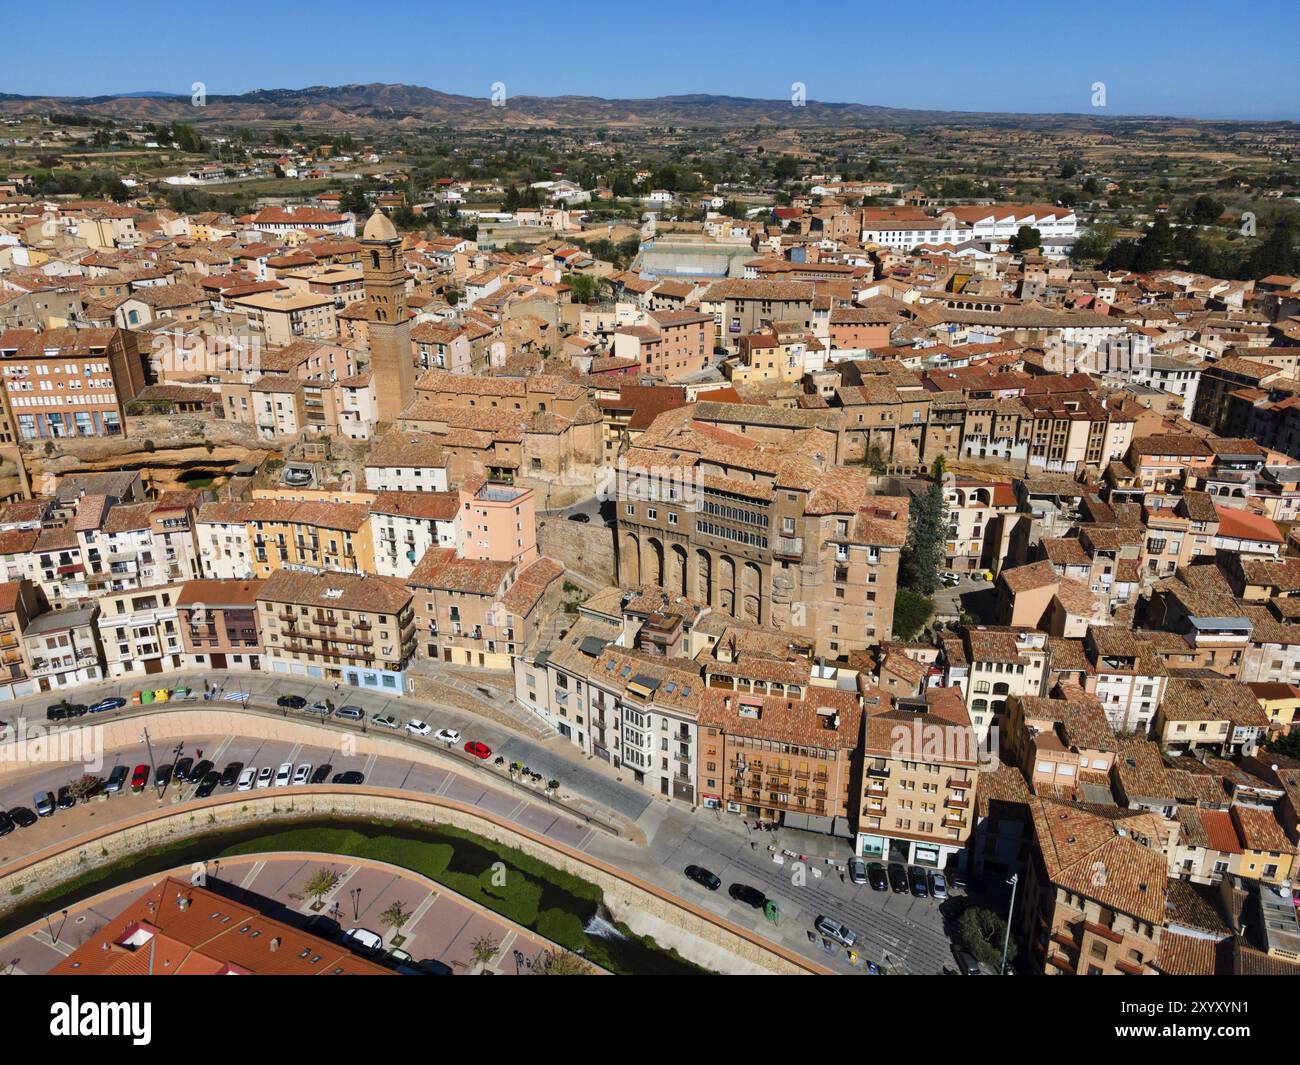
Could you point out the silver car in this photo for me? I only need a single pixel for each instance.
(835, 930)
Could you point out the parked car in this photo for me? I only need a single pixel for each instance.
(115, 780)
(302, 774)
(364, 939)
(321, 773)
(418, 728)
(385, 721)
(938, 885)
(246, 779)
(835, 930)
(966, 963)
(284, 774)
(207, 785)
(292, 702)
(201, 770)
(876, 877)
(580, 517)
(6, 823)
(478, 750)
(318, 708)
(447, 735)
(703, 877)
(231, 774)
(44, 804)
(106, 704)
(264, 776)
(66, 800)
(23, 817)
(350, 713)
(164, 775)
(325, 927)
(857, 870)
(181, 771)
(350, 777)
(139, 778)
(898, 878)
(77, 709)
(917, 880)
(750, 896)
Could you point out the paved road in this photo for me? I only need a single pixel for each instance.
(902, 932)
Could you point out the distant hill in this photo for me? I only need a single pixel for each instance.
(358, 106)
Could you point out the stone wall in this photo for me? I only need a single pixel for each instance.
(587, 550)
(698, 935)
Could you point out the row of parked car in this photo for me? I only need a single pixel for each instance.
(901, 879)
(415, 726)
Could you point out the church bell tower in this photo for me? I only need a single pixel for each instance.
(391, 364)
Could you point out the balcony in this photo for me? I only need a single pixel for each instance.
(877, 790)
(788, 547)
(958, 784)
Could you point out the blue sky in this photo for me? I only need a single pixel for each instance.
(1155, 57)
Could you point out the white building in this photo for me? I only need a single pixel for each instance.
(404, 525)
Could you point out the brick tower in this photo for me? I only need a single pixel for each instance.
(391, 364)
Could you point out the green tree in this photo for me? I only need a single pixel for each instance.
(320, 884)
(395, 916)
(1156, 248)
(981, 932)
(1026, 237)
(927, 526)
(485, 949)
(556, 962)
(911, 611)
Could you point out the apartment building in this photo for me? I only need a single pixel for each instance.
(20, 601)
(69, 382)
(218, 622)
(1080, 923)
(283, 316)
(671, 345)
(920, 764)
(63, 648)
(258, 537)
(781, 758)
(497, 521)
(482, 612)
(1126, 675)
(139, 631)
(740, 307)
(407, 462)
(405, 525)
(354, 629)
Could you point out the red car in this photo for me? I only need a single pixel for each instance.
(140, 778)
(478, 750)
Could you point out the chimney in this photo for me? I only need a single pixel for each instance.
(275, 944)
(183, 903)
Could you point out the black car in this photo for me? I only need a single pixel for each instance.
(750, 896)
(293, 702)
(920, 886)
(181, 772)
(350, 777)
(77, 710)
(56, 712)
(23, 817)
(876, 877)
(580, 517)
(231, 774)
(325, 927)
(66, 800)
(703, 877)
(201, 770)
(6, 824)
(207, 785)
(321, 773)
(898, 878)
(164, 775)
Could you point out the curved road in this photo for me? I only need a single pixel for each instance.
(898, 931)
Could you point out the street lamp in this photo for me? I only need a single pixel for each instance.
(356, 897)
(1006, 940)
